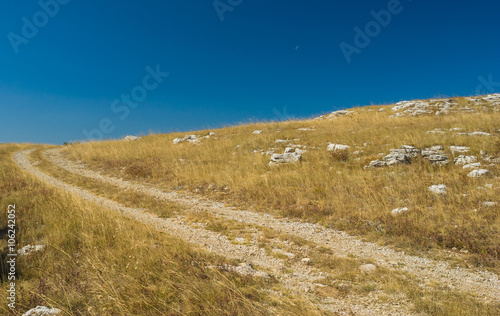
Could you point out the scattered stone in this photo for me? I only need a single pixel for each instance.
(463, 160)
(277, 159)
(257, 132)
(281, 141)
(211, 134)
(478, 173)
(28, 249)
(131, 138)
(306, 129)
(335, 147)
(42, 311)
(489, 204)
(188, 138)
(438, 189)
(438, 159)
(377, 164)
(475, 165)
(459, 149)
(475, 134)
(367, 268)
(397, 211)
(339, 113)
(396, 158)
(437, 131)
(436, 148)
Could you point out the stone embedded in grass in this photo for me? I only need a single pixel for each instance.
(475, 165)
(396, 158)
(187, 138)
(368, 268)
(339, 113)
(490, 204)
(459, 149)
(475, 134)
(42, 311)
(290, 157)
(438, 189)
(437, 131)
(28, 249)
(131, 138)
(336, 147)
(401, 210)
(257, 132)
(377, 164)
(306, 129)
(438, 159)
(464, 160)
(282, 141)
(478, 173)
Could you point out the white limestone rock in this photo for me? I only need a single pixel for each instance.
(131, 138)
(400, 210)
(459, 149)
(438, 189)
(336, 147)
(42, 311)
(478, 173)
(464, 160)
(29, 249)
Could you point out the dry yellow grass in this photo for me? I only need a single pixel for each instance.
(344, 277)
(99, 263)
(336, 192)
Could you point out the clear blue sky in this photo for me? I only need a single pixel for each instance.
(263, 57)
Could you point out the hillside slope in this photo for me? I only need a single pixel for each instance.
(380, 210)
(336, 188)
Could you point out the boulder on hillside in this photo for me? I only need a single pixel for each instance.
(131, 138)
(42, 311)
(337, 147)
(187, 138)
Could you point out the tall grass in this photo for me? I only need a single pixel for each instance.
(97, 262)
(333, 191)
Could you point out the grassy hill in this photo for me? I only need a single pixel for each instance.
(336, 188)
(376, 186)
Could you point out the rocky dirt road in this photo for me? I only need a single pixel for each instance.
(304, 279)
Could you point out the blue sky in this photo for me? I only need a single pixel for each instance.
(265, 60)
